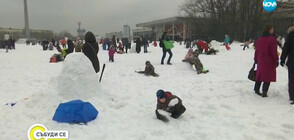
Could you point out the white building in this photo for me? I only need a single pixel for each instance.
(126, 31)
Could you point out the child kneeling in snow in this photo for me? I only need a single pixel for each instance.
(166, 102)
(195, 62)
(149, 70)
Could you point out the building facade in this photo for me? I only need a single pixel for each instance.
(145, 33)
(126, 31)
(177, 28)
(20, 33)
(117, 34)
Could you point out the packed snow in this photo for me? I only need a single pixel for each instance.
(77, 79)
(220, 105)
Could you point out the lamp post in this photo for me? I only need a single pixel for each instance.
(26, 16)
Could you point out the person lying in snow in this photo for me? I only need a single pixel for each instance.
(246, 44)
(168, 103)
(56, 58)
(212, 51)
(195, 62)
(149, 70)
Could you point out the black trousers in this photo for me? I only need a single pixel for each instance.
(265, 86)
(138, 48)
(177, 113)
(291, 83)
(164, 51)
(245, 47)
(127, 47)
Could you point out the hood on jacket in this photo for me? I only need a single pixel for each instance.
(291, 29)
(90, 37)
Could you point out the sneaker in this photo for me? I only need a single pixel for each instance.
(205, 72)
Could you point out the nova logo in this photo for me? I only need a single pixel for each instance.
(269, 5)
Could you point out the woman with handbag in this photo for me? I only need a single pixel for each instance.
(267, 60)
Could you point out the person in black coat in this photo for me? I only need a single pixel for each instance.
(91, 50)
(113, 41)
(45, 44)
(288, 52)
(71, 47)
(138, 45)
(126, 43)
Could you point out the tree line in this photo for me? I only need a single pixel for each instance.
(241, 19)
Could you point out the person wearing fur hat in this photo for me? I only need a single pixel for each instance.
(288, 52)
(168, 103)
(149, 70)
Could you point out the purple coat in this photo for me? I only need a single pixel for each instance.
(266, 56)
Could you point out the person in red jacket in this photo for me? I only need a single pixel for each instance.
(111, 53)
(266, 57)
(202, 46)
(63, 43)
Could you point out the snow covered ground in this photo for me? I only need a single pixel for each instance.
(220, 105)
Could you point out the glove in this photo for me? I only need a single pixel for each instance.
(277, 64)
(161, 117)
(282, 63)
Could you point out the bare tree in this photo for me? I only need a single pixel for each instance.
(239, 18)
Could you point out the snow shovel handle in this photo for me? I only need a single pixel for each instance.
(102, 73)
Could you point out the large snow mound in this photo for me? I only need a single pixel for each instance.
(77, 79)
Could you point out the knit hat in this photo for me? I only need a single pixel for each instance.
(147, 63)
(160, 94)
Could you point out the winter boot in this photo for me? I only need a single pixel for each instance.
(257, 88)
(265, 89)
(204, 71)
(258, 93)
(264, 95)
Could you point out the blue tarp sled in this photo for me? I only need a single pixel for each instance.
(75, 111)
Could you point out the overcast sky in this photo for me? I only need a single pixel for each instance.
(99, 16)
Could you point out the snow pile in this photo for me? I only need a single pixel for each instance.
(77, 79)
(220, 105)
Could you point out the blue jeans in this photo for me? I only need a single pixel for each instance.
(164, 51)
(145, 49)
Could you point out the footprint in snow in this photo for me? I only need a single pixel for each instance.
(288, 126)
(228, 108)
